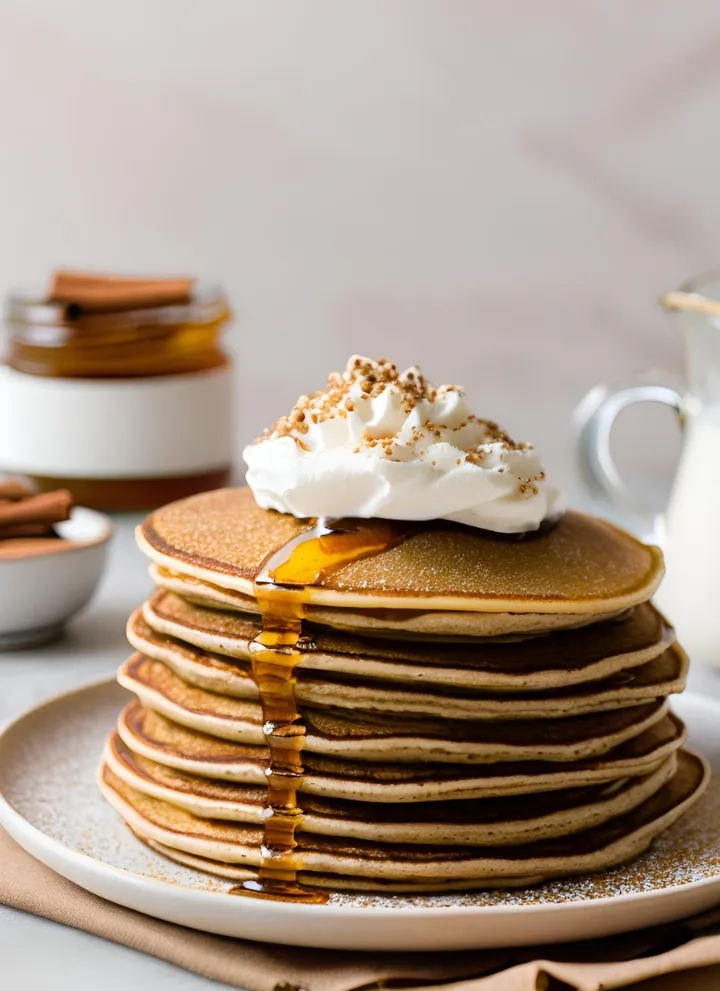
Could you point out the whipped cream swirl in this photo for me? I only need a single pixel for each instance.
(380, 443)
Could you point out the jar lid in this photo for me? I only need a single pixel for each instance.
(30, 305)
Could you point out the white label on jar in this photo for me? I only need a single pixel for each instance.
(116, 428)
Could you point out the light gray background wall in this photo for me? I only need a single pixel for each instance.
(497, 190)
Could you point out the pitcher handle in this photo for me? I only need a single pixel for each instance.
(593, 421)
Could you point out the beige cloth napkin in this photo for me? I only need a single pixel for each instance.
(593, 966)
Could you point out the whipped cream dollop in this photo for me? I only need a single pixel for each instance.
(381, 443)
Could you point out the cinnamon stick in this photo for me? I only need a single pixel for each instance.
(96, 293)
(45, 509)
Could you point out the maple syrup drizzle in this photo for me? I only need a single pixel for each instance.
(281, 590)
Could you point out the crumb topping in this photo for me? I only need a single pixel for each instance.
(364, 379)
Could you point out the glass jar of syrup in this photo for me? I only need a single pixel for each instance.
(118, 389)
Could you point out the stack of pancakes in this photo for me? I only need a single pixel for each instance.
(477, 711)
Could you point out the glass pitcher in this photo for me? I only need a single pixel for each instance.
(689, 530)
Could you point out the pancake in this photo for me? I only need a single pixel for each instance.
(371, 736)
(597, 848)
(495, 821)
(408, 624)
(542, 662)
(580, 566)
(151, 735)
(663, 676)
(328, 882)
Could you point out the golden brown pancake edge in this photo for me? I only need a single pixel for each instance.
(582, 564)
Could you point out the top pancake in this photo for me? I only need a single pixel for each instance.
(582, 565)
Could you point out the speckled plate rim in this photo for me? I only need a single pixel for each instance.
(365, 927)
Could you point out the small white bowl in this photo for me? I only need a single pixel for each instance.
(39, 593)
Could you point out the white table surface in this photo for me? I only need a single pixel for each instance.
(36, 954)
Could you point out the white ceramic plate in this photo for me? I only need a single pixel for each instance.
(50, 804)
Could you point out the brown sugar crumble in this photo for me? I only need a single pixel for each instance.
(365, 378)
